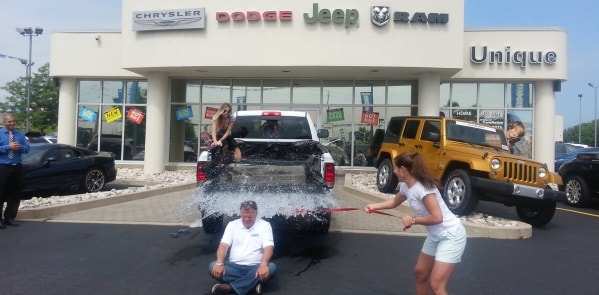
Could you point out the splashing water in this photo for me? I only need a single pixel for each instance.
(288, 203)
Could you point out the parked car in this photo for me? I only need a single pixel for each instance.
(53, 168)
(42, 139)
(281, 154)
(563, 158)
(581, 178)
(471, 162)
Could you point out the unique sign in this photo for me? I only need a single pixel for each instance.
(173, 19)
(254, 16)
(210, 112)
(335, 115)
(381, 15)
(370, 118)
(135, 116)
(87, 115)
(509, 56)
(184, 113)
(347, 17)
(112, 115)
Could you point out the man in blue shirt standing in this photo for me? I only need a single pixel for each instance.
(12, 145)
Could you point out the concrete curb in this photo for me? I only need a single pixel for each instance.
(520, 232)
(47, 212)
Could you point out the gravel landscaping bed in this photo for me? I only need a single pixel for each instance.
(124, 175)
(366, 182)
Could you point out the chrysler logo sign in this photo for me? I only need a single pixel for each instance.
(174, 19)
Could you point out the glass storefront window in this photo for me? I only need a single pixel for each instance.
(445, 94)
(112, 92)
(369, 93)
(137, 92)
(400, 94)
(216, 91)
(463, 95)
(491, 95)
(493, 118)
(87, 126)
(337, 93)
(306, 92)
(465, 114)
(185, 133)
(111, 137)
(519, 95)
(244, 92)
(135, 133)
(276, 91)
(90, 91)
(365, 124)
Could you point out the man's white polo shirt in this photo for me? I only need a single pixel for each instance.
(247, 245)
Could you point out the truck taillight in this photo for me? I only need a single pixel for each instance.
(271, 114)
(200, 173)
(329, 175)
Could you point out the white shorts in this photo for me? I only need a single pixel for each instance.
(448, 247)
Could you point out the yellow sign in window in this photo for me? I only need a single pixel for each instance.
(113, 115)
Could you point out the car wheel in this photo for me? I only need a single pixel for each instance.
(93, 181)
(457, 193)
(577, 191)
(213, 224)
(386, 181)
(539, 215)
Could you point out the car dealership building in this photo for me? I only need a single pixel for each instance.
(147, 92)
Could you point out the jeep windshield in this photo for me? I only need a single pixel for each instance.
(276, 127)
(476, 134)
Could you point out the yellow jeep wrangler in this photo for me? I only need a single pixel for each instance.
(471, 162)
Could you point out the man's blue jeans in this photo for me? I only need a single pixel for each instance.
(242, 278)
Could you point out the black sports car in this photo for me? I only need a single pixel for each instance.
(581, 178)
(51, 168)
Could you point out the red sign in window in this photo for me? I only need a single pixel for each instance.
(135, 116)
(210, 113)
(370, 118)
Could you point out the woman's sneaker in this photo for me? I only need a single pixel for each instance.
(259, 288)
(221, 289)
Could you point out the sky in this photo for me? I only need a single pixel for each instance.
(577, 17)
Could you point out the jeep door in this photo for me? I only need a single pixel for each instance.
(430, 147)
(409, 138)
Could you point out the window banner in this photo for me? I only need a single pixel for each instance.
(466, 114)
(241, 103)
(210, 112)
(367, 102)
(370, 118)
(113, 115)
(520, 95)
(184, 113)
(493, 118)
(135, 116)
(87, 115)
(335, 115)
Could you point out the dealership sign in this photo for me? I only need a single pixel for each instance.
(173, 19)
(347, 17)
(381, 15)
(254, 16)
(509, 56)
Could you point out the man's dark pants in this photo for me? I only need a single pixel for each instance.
(11, 183)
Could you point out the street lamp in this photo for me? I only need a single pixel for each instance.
(579, 118)
(595, 111)
(29, 32)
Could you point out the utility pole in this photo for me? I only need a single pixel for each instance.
(30, 33)
(595, 113)
(579, 118)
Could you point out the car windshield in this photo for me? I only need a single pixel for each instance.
(476, 134)
(36, 152)
(259, 127)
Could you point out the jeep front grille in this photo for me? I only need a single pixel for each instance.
(520, 172)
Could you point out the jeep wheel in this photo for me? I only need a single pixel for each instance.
(577, 191)
(457, 193)
(537, 216)
(212, 224)
(386, 181)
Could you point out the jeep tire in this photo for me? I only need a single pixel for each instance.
(537, 215)
(457, 192)
(386, 181)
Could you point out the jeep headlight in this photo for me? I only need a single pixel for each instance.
(542, 172)
(495, 164)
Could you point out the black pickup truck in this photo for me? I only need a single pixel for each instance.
(581, 178)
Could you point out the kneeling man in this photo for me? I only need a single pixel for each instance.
(252, 245)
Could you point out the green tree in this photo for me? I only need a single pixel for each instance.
(43, 103)
(587, 133)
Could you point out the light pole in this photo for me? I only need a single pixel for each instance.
(579, 118)
(29, 32)
(595, 112)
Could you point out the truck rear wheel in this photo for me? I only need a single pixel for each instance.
(457, 192)
(539, 215)
(386, 181)
(212, 224)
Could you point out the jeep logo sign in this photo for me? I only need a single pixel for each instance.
(349, 17)
(507, 56)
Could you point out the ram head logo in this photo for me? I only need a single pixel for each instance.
(380, 15)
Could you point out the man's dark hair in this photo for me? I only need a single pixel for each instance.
(248, 205)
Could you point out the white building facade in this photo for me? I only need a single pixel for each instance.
(146, 93)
